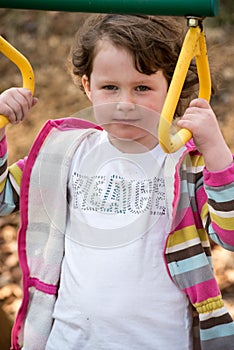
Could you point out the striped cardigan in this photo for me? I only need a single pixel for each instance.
(201, 205)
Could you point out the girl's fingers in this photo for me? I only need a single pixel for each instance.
(23, 103)
(34, 102)
(15, 111)
(199, 103)
(15, 104)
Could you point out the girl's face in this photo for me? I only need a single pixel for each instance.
(127, 103)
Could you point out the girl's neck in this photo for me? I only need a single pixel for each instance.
(132, 146)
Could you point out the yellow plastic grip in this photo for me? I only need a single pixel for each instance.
(194, 46)
(24, 66)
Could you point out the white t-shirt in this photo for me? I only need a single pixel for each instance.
(115, 292)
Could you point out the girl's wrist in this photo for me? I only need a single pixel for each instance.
(218, 158)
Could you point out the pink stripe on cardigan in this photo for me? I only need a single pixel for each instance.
(198, 293)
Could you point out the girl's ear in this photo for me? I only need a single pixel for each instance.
(86, 86)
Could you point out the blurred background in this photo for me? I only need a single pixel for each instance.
(45, 39)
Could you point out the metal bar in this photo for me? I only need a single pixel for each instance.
(204, 8)
(194, 46)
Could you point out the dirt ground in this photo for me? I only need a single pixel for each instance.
(45, 39)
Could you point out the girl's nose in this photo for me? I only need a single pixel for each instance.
(125, 106)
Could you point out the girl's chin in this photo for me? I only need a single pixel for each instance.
(132, 139)
(125, 131)
(123, 134)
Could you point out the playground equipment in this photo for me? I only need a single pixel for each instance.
(197, 8)
(194, 46)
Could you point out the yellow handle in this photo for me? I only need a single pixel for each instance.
(24, 66)
(194, 45)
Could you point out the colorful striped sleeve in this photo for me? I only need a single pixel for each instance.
(219, 187)
(10, 179)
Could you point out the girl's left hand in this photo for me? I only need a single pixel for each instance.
(200, 119)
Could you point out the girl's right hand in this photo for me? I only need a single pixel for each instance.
(15, 104)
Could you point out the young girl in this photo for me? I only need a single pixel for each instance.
(113, 242)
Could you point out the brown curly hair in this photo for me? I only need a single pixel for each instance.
(153, 41)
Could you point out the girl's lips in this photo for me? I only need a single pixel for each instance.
(126, 121)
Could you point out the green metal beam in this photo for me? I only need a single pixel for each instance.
(199, 8)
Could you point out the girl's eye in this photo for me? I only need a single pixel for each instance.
(142, 88)
(110, 87)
